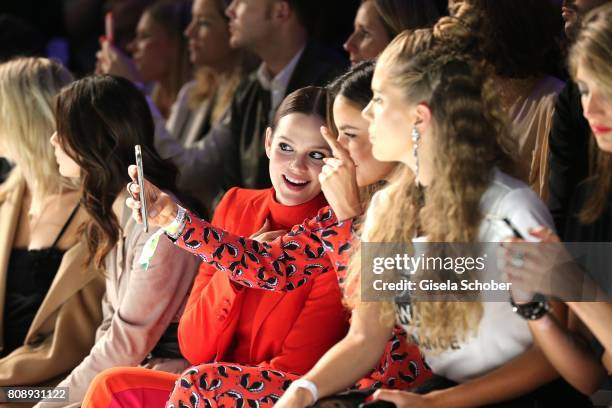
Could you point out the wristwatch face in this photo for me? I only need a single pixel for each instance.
(531, 310)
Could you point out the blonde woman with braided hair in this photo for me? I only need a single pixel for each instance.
(435, 113)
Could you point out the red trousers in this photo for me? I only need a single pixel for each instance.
(233, 385)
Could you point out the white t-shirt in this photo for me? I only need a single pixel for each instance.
(501, 335)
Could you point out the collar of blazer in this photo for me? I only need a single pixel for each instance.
(71, 275)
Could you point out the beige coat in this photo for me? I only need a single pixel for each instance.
(63, 330)
(138, 306)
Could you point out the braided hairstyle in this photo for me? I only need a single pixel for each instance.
(471, 139)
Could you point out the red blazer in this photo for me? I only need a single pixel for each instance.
(289, 331)
(311, 249)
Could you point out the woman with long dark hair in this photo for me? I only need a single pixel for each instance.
(99, 121)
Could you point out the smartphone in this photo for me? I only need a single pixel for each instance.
(109, 27)
(505, 220)
(143, 201)
(515, 231)
(536, 297)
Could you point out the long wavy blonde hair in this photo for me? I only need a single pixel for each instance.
(220, 86)
(28, 87)
(471, 138)
(592, 51)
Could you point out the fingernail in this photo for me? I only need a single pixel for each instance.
(152, 212)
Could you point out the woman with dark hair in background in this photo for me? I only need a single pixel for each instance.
(521, 45)
(99, 121)
(159, 51)
(378, 21)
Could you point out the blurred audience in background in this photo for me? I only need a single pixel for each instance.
(233, 153)
(521, 45)
(159, 53)
(203, 102)
(18, 38)
(377, 22)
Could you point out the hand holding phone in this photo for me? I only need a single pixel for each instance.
(518, 260)
(143, 201)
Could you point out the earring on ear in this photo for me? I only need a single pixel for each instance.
(415, 151)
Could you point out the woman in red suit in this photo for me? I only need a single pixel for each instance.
(224, 321)
(284, 333)
(317, 245)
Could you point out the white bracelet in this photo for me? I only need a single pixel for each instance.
(176, 227)
(308, 385)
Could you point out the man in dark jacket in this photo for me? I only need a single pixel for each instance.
(233, 153)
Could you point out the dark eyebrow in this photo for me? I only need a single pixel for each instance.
(285, 138)
(347, 127)
(326, 147)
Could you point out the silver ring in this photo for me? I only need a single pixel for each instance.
(129, 188)
(517, 260)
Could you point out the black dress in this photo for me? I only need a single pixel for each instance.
(29, 277)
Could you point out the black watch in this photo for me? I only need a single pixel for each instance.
(533, 310)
